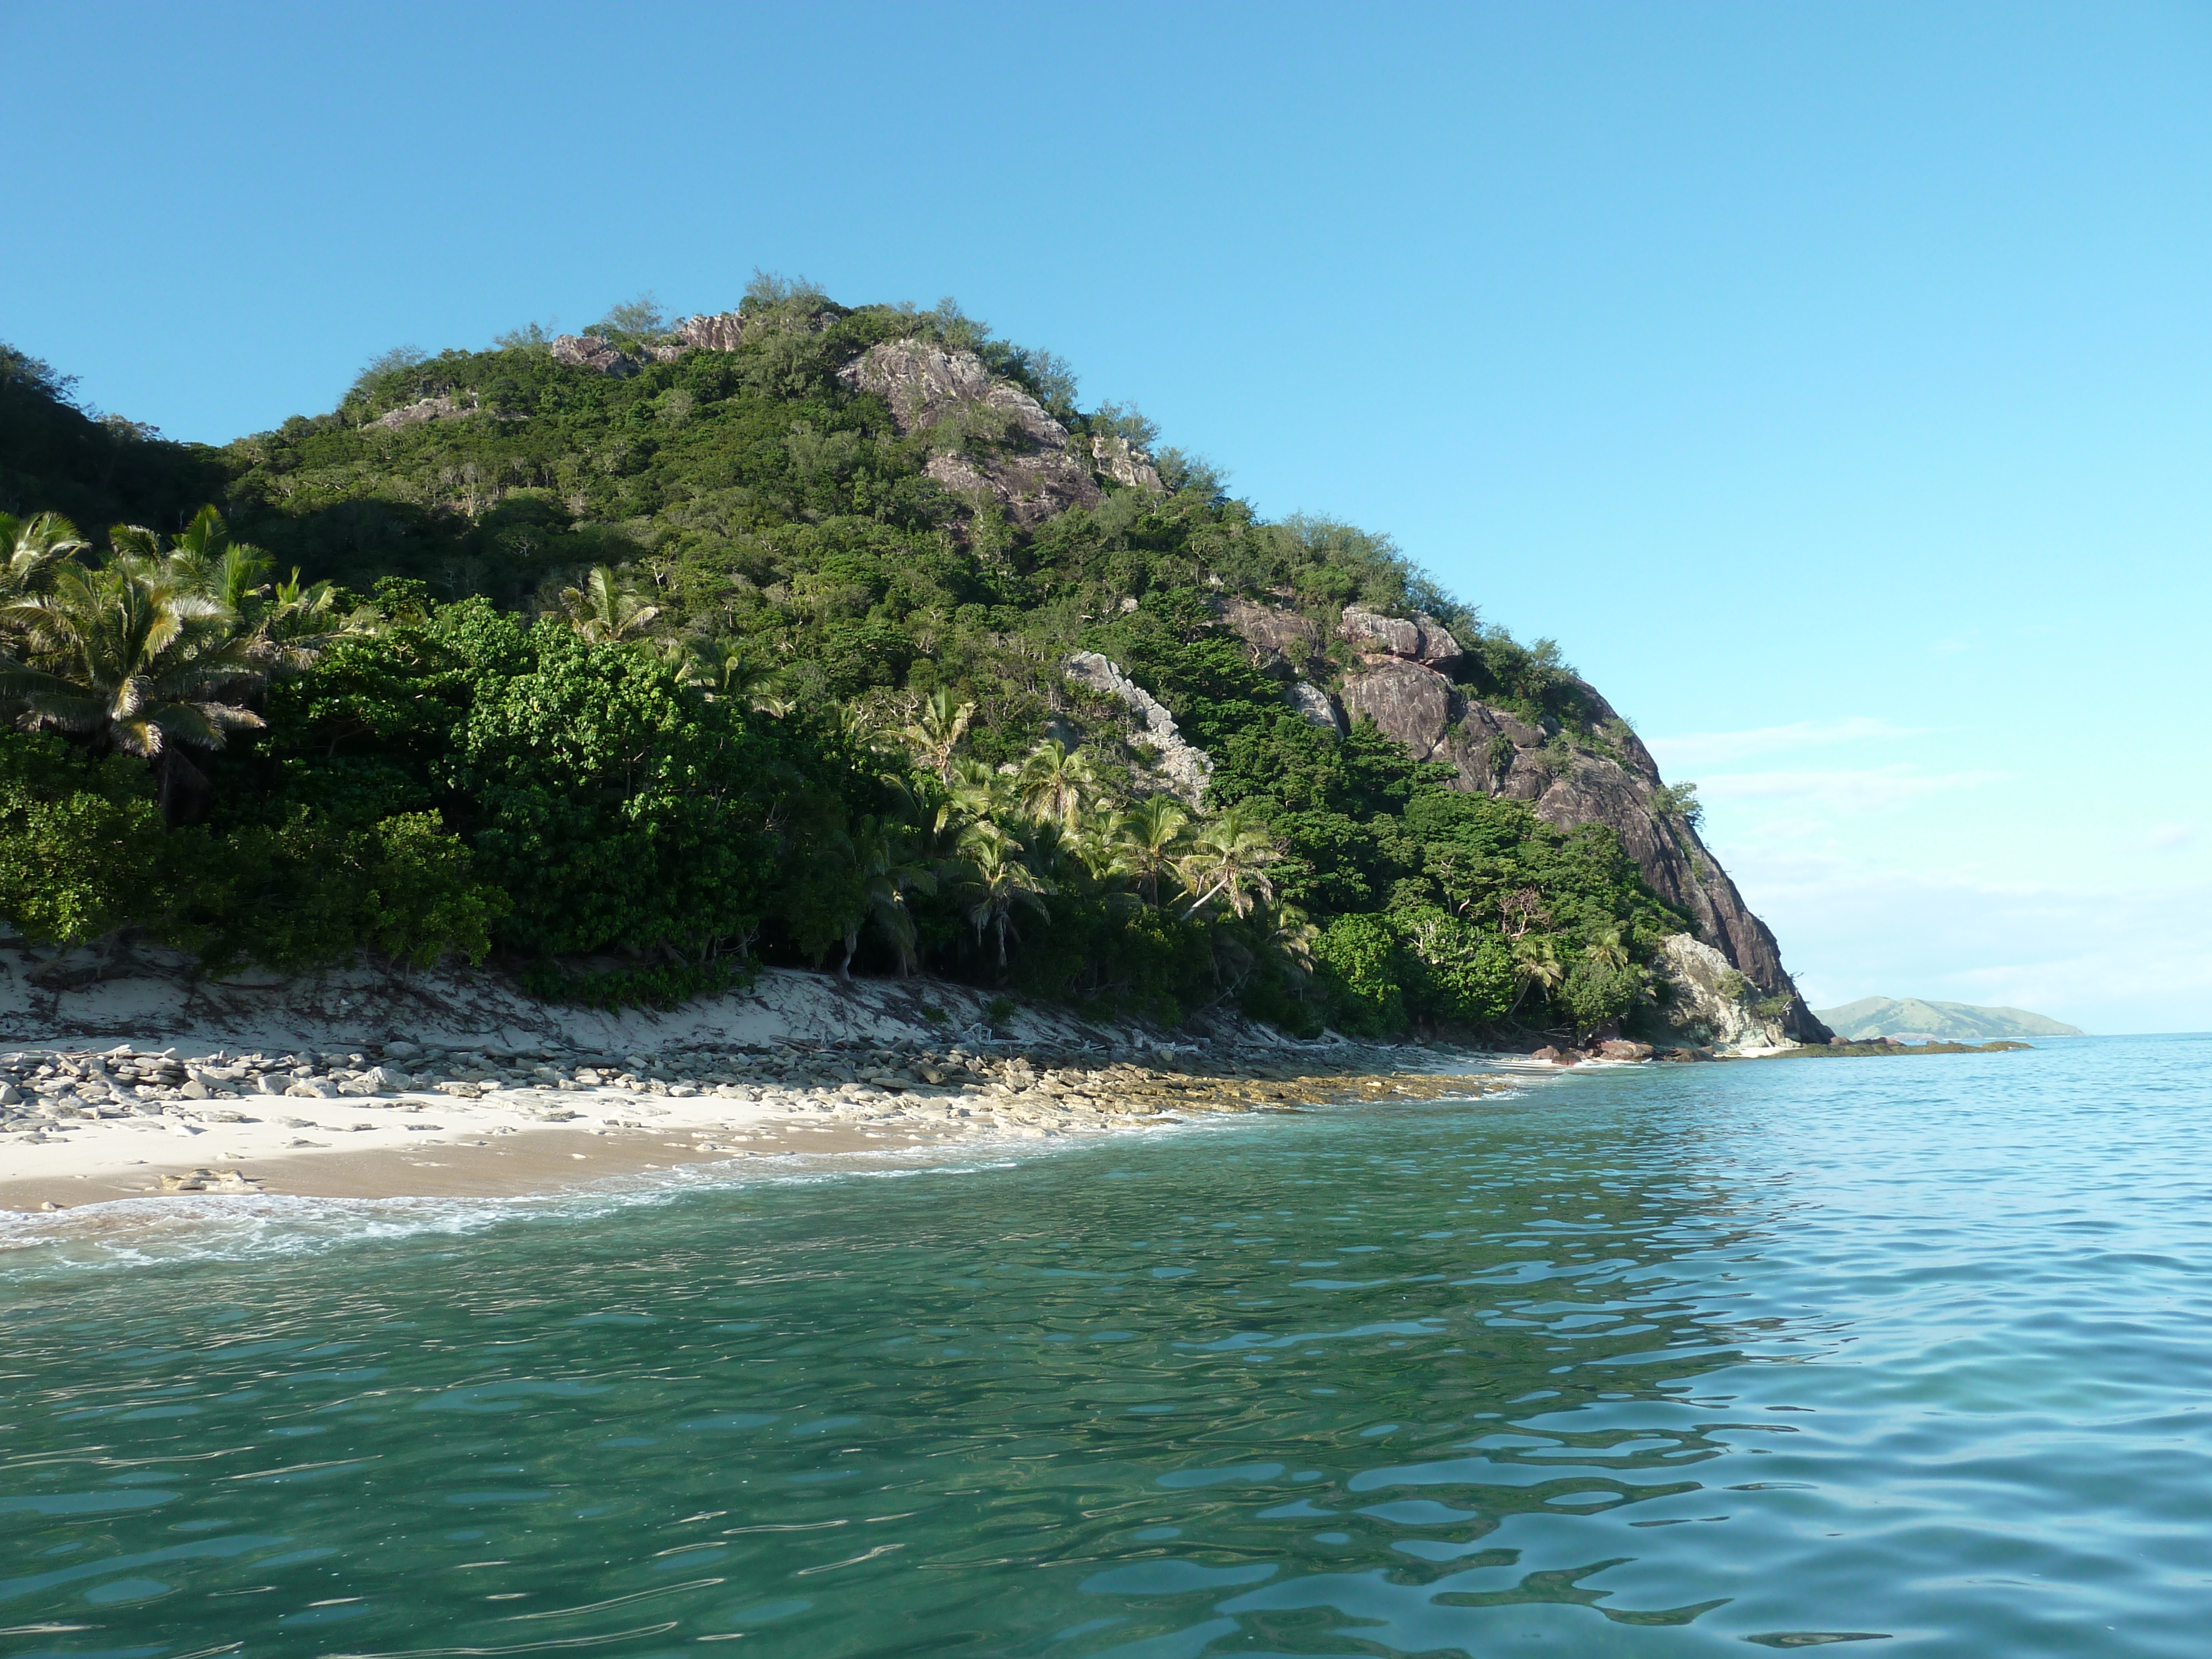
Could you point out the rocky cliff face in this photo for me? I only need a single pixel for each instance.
(1402, 683)
(996, 442)
(1181, 768)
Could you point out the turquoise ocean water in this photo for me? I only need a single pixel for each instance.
(1650, 1361)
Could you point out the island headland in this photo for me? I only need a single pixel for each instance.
(624, 668)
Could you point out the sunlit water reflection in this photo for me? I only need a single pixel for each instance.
(1647, 1362)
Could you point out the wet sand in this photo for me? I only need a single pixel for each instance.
(528, 1161)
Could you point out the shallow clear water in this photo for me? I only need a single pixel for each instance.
(1646, 1362)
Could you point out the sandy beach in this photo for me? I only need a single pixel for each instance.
(81, 1124)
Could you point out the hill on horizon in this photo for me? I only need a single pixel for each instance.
(1948, 1022)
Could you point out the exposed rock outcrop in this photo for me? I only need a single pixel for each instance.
(1424, 639)
(1184, 768)
(998, 443)
(1403, 687)
(1119, 460)
(589, 351)
(1711, 1003)
(1281, 640)
(1312, 705)
(1409, 702)
(421, 409)
(720, 332)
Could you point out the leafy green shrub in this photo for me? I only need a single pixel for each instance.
(622, 812)
(309, 891)
(77, 862)
(1465, 973)
(1598, 994)
(1678, 800)
(1357, 960)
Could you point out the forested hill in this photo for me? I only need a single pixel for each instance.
(819, 634)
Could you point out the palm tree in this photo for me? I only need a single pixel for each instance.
(887, 874)
(605, 609)
(1056, 782)
(937, 730)
(1097, 840)
(1535, 962)
(288, 625)
(1153, 837)
(31, 550)
(1055, 855)
(1608, 951)
(204, 559)
(994, 881)
(978, 791)
(721, 667)
(1292, 933)
(125, 660)
(1227, 860)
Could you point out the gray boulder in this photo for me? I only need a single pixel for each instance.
(720, 333)
(1281, 640)
(1406, 701)
(421, 409)
(1312, 706)
(1713, 1001)
(1424, 639)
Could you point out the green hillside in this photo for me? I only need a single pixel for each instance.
(1950, 1021)
(629, 660)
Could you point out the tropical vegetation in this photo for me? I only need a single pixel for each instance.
(629, 682)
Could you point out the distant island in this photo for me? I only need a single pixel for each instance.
(1915, 1019)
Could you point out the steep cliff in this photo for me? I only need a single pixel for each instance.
(1596, 771)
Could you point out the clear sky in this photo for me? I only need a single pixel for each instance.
(1831, 380)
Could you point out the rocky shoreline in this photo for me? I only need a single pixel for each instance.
(84, 1123)
(82, 1113)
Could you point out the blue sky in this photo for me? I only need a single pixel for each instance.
(1831, 381)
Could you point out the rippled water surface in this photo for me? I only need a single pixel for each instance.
(1643, 1362)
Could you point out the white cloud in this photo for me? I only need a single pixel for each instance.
(2169, 837)
(1697, 749)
